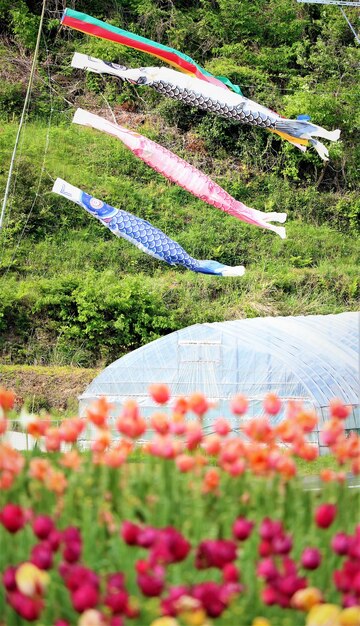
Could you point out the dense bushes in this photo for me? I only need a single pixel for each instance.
(69, 291)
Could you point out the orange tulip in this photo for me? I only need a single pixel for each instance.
(71, 460)
(160, 423)
(211, 480)
(3, 425)
(39, 468)
(7, 399)
(212, 444)
(160, 393)
(99, 412)
(198, 404)
(305, 599)
(55, 481)
(185, 463)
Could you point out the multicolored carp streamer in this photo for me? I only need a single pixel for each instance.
(179, 60)
(211, 98)
(182, 173)
(142, 234)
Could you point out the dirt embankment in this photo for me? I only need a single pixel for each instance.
(46, 387)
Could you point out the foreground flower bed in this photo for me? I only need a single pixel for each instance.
(186, 530)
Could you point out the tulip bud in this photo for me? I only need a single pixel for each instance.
(242, 528)
(311, 558)
(325, 515)
(12, 518)
(160, 393)
(42, 526)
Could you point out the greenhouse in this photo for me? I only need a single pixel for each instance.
(310, 358)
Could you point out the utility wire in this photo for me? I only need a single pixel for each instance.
(27, 97)
(357, 38)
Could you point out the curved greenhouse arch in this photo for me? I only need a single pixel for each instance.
(313, 358)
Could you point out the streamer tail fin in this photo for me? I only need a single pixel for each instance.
(219, 269)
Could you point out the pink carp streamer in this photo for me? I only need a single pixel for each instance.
(178, 171)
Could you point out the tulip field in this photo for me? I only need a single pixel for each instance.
(186, 529)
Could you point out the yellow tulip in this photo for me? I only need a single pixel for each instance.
(194, 618)
(305, 599)
(31, 580)
(261, 621)
(165, 621)
(324, 615)
(350, 616)
(91, 617)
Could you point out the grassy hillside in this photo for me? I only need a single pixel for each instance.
(70, 292)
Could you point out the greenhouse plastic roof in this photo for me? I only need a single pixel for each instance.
(314, 358)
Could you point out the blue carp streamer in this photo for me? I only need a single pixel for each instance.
(141, 233)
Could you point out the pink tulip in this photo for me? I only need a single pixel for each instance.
(338, 409)
(242, 528)
(72, 552)
(85, 597)
(147, 537)
(151, 582)
(272, 404)
(340, 543)
(12, 518)
(54, 539)
(230, 573)
(282, 544)
(239, 405)
(222, 427)
(116, 601)
(267, 570)
(116, 620)
(115, 582)
(269, 596)
(9, 580)
(185, 463)
(311, 558)
(42, 555)
(169, 604)
(215, 553)
(28, 608)
(270, 528)
(209, 594)
(42, 526)
(130, 532)
(325, 515)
